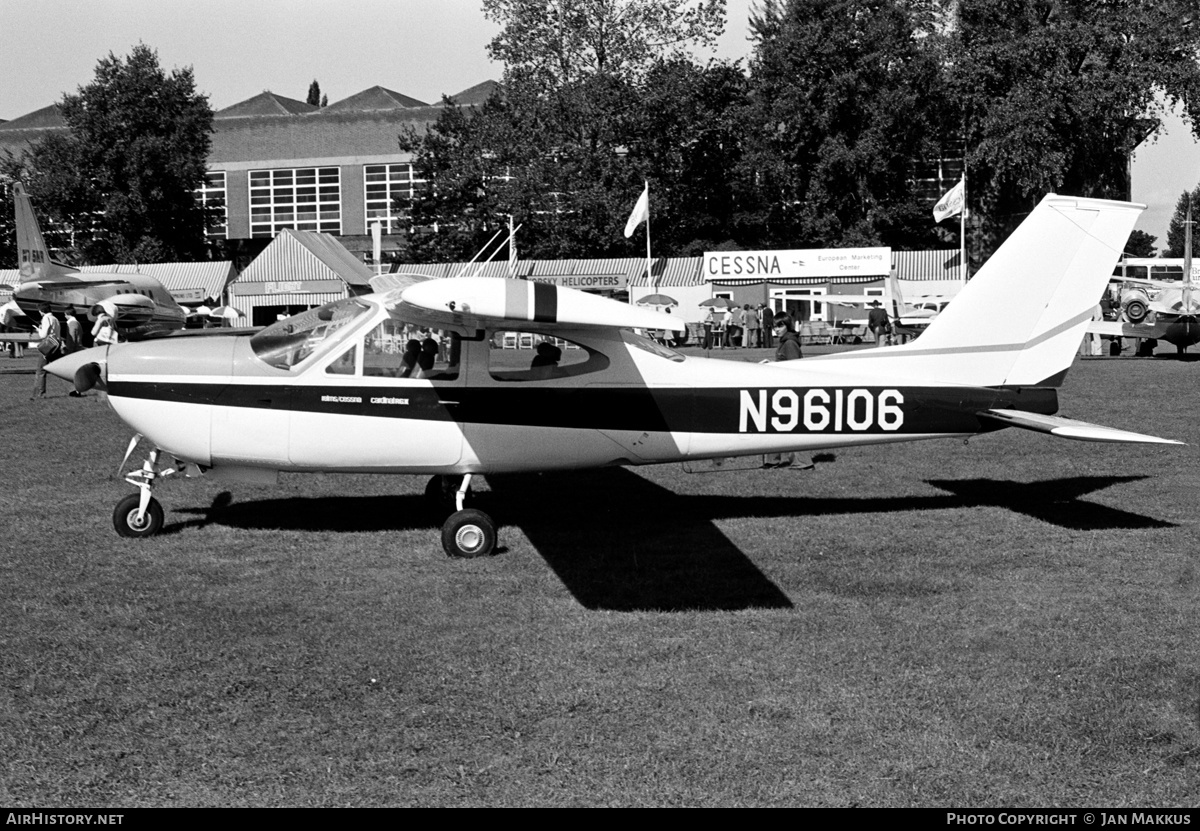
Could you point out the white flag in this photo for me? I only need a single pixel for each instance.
(641, 212)
(512, 249)
(949, 205)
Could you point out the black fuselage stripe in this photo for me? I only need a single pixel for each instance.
(696, 410)
(545, 303)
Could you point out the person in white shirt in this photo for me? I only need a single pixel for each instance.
(49, 327)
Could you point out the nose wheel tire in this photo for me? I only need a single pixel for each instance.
(469, 533)
(125, 517)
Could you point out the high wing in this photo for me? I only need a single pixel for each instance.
(471, 303)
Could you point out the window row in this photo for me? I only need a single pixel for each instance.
(310, 199)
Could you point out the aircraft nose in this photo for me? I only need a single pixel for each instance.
(85, 368)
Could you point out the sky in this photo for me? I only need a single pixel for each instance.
(238, 48)
(421, 48)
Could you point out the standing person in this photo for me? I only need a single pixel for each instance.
(49, 334)
(104, 332)
(751, 337)
(737, 336)
(708, 328)
(789, 341)
(768, 327)
(726, 326)
(788, 350)
(878, 323)
(74, 336)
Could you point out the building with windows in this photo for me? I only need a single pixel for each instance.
(279, 163)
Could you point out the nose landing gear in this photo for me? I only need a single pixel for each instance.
(140, 514)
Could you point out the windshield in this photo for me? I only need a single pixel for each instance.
(288, 342)
(654, 347)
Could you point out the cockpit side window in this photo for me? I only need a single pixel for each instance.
(395, 349)
(290, 342)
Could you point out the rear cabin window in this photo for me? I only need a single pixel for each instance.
(526, 356)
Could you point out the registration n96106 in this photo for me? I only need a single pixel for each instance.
(819, 410)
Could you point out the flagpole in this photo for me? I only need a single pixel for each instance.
(962, 222)
(648, 270)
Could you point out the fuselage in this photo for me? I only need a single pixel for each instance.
(141, 304)
(332, 397)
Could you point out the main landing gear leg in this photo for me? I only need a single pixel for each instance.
(468, 532)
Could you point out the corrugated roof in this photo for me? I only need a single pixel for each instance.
(427, 269)
(266, 103)
(943, 264)
(211, 276)
(375, 98)
(668, 271)
(306, 255)
(496, 268)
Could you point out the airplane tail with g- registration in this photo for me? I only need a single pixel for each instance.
(34, 261)
(139, 305)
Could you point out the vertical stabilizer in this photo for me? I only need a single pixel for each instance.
(33, 257)
(1020, 320)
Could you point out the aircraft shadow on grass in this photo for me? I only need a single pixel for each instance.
(620, 542)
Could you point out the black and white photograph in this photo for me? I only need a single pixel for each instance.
(601, 403)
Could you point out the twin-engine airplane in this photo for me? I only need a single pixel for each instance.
(139, 305)
(1174, 313)
(355, 386)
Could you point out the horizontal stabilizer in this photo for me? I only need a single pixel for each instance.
(1069, 428)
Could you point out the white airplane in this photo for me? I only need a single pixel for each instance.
(326, 390)
(139, 305)
(1173, 314)
(909, 319)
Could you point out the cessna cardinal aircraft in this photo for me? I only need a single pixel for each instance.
(138, 304)
(1174, 315)
(327, 390)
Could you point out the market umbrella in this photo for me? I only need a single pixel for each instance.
(226, 313)
(716, 302)
(657, 300)
(199, 310)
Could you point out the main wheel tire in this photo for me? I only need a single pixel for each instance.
(125, 518)
(469, 533)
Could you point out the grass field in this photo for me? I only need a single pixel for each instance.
(1009, 623)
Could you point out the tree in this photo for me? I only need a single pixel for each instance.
(578, 125)
(846, 97)
(134, 155)
(1177, 231)
(314, 95)
(1140, 244)
(1053, 95)
(557, 43)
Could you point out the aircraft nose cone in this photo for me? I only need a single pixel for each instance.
(68, 366)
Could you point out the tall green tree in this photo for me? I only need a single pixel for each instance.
(1176, 229)
(565, 147)
(846, 96)
(134, 154)
(1053, 95)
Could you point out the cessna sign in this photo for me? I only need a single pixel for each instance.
(809, 262)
